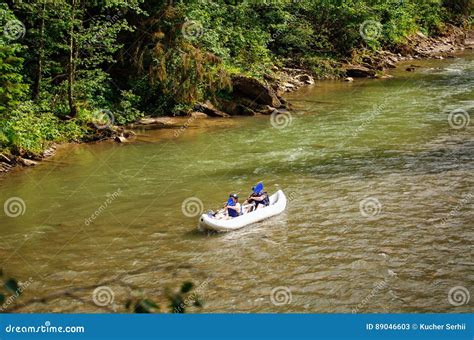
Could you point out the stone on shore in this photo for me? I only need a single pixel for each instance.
(358, 71)
(288, 87)
(5, 167)
(49, 152)
(26, 162)
(157, 122)
(129, 134)
(305, 78)
(255, 90)
(4, 158)
(120, 139)
(389, 64)
(209, 109)
(198, 115)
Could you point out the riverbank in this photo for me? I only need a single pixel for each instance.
(373, 168)
(251, 97)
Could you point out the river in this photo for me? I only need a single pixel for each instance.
(379, 175)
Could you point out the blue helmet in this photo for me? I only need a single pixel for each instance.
(258, 188)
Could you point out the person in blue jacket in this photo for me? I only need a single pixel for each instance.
(233, 206)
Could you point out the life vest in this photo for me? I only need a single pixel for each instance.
(233, 213)
(265, 202)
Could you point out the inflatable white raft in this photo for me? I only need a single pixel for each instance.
(277, 206)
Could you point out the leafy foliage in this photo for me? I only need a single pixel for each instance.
(136, 57)
(10, 291)
(179, 301)
(12, 87)
(29, 131)
(127, 111)
(184, 298)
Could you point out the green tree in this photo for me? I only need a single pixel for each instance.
(12, 86)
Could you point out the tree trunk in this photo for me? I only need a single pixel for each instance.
(39, 70)
(71, 66)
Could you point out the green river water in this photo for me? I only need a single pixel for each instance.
(379, 219)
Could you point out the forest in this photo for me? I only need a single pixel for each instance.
(71, 67)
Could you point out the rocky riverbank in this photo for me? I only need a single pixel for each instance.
(418, 46)
(7, 163)
(251, 97)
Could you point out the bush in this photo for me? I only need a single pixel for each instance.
(127, 111)
(25, 131)
(322, 67)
